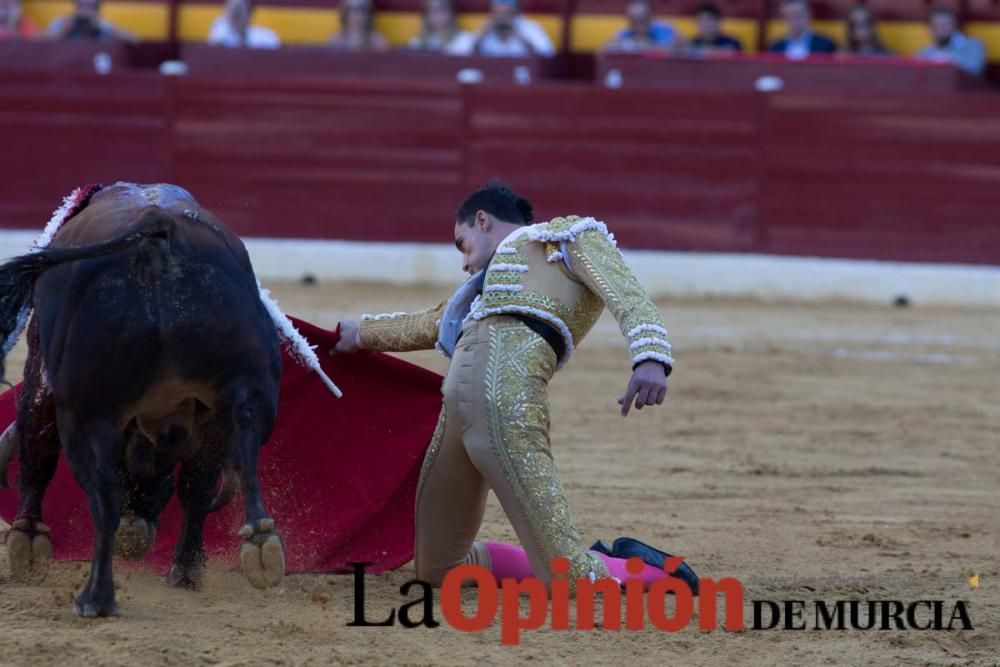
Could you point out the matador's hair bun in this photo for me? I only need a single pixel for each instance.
(499, 201)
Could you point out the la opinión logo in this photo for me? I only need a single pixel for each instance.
(554, 604)
(642, 608)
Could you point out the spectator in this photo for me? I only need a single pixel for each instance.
(862, 33)
(709, 37)
(950, 45)
(642, 32)
(357, 28)
(233, 28)
(13, 23)
(86, 23)
(800, 41)
(440, 32)
(508, 33)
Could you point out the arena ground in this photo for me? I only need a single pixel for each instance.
(816, 452)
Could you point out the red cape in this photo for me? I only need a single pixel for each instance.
(338, 476)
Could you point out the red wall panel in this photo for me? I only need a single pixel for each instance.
(912, 177)
(886, 177)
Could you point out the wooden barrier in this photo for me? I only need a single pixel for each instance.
(891, 176)
(880, 74)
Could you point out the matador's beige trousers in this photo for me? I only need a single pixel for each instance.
(493, 433)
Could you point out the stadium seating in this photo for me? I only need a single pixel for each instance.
(581, 25)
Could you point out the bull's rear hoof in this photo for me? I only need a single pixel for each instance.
(88, 608)
(29, 550)
(135, 537)
(192, 578)
(262, 555)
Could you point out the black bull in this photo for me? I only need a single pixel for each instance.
(149, 347)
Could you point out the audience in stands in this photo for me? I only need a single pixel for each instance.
(643, 32)
(86, 23)
(357, 28)
(440, 31)
(233, 28)
(13, 23)
(950, 45)
(709, 37)
(801, 41)
(862, 33)
(508, 33)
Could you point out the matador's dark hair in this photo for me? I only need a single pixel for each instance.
(499, 201)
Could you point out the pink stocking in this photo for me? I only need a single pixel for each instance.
(618, 570)
(510, 562)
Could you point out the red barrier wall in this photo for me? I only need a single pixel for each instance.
(832, 174)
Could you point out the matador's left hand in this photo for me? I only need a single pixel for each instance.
(648, 386)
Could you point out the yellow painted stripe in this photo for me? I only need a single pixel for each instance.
(316, 26)
(147, 20)
(592, 31)
(905, 37)
(989, 33)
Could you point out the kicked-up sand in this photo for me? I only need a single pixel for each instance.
(818, 452)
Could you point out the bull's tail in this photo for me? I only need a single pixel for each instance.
(18, 276)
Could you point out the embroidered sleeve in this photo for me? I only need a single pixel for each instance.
(401, 332)
(598, 264)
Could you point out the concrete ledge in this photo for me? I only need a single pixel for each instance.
(664, 273)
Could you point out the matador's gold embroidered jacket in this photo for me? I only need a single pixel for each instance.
(562, 272)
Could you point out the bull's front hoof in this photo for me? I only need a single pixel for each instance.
(135, 537)
(262, 554)
(87, 606)
(29, 550)
(191, 577)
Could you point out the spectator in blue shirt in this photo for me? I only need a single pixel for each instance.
(643, 32)
(950, 45)
(801, 41)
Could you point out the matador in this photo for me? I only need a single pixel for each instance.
(535, 291)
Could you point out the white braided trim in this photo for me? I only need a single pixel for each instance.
(536, 313)
(298, 346)
(554, 257)
(56, 221)
(647, 327)
(383, 316)
(519, 268)
(540, 233)
(643, 342)
(54, 224)
(506, 250)
(656, 356)
(504, 288)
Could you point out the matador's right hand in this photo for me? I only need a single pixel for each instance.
(350, 338)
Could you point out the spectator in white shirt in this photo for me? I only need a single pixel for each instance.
(440, 32)
(233, 28)
(508, 33)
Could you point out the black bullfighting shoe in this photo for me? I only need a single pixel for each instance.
(629, 547)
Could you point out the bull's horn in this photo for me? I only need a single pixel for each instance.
(8, 450)
(230, 482)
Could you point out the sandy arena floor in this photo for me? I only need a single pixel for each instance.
(815, 452)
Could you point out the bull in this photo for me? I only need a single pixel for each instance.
(153, 365)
